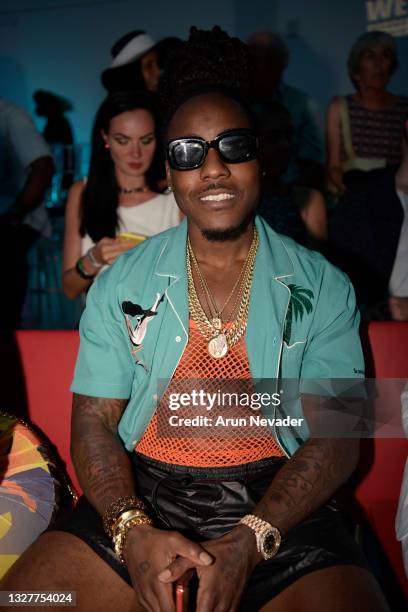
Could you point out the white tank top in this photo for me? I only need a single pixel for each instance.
(149, 218)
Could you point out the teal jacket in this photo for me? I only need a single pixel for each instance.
(302, 324)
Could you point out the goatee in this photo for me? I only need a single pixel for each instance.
(229, 233)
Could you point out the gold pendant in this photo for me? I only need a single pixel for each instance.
(218, 346)
(216, 323)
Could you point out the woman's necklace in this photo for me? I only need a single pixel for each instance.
(133, 189)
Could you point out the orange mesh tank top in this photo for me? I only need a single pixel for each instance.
(195, 435)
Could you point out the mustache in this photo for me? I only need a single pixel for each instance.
(213, 186)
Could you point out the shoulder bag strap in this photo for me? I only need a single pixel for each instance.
(345, 123)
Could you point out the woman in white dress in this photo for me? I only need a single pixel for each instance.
(119, 204)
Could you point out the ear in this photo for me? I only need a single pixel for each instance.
(104, 136)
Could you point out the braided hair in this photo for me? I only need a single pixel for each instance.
(210, 61)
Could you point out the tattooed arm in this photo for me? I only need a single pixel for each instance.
(304, 483)
(103, 468)
(105, 473)
(318, 468)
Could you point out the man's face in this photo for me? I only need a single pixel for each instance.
(236, 186)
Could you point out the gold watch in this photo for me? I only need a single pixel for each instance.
(268, 537)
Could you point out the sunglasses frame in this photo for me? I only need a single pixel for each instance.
(212, 144)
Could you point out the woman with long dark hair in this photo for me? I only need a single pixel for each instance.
(119, 203)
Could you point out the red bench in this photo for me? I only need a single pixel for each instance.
(45, 361)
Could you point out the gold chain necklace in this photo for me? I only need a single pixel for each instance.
(212, 306)
(221, 340)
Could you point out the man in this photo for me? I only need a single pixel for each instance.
(270, 57)
(214, 273)
(26, 169)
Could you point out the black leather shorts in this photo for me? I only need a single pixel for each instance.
(205, 503)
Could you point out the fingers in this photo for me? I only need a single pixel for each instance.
(151, 594)
(176, 570)
(194, 552)
(160, 598)
(216, 595)
(128, 244)
(104, 241)
(110, 252)
(185, 579)
(165, 598)
(148, 553)
(107, 250)
(191, 555)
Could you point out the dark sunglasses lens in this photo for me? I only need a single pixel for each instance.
(186, 154)
(237, 147)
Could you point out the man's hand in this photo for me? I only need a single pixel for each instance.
(148, 551)
(220, 584)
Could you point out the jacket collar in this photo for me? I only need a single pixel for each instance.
(172, 259)
(269, 296)
(272, 257)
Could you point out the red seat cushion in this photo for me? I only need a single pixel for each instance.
(383, 459)
(47, 360)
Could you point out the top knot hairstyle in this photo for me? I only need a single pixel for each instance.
(210, 61)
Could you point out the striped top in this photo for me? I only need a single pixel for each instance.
(377, 133)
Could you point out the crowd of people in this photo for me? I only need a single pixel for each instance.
(203, 157)
(350, 206)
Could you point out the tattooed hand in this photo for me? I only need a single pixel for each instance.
(148, 551)
(220, 584)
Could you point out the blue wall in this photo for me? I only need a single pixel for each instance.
(64, 49)
(50, 45)
(319, 34)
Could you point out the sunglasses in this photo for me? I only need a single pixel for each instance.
(233, 147)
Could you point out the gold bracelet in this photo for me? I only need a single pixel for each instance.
(116, 508)
(119, 540)
(125, 517)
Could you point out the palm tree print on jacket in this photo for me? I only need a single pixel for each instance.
(300, 301)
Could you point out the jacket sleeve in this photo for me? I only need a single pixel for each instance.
(104, 366)
(334, 348)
